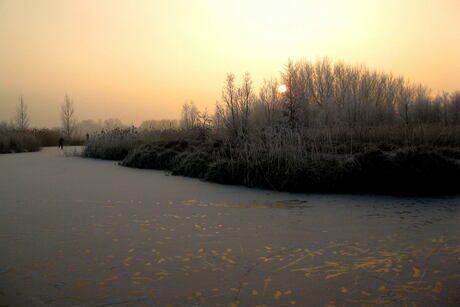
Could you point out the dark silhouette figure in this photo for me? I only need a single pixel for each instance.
(61, 143)
(87, 136)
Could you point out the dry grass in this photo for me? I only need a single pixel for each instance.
(15, 141)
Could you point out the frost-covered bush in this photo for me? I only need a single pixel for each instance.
(17, 141)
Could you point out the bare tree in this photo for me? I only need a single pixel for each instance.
(454, 108)
(204, 124)
(22, 118)
(204, 120)
(230, 99)
(190, 115)
(237, 103)
(269, 103)
(291, 104)
(68, 117)
(245, 101)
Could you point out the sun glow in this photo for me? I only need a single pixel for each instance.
(282, 88)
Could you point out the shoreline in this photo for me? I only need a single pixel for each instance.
(403, 171)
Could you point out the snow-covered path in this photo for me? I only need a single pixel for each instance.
(84, 232)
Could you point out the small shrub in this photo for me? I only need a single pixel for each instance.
(424, 172)
(412, 171)
(226, 171)
(192, 164)
(144, 156)
(166, 158)
(368, 171)
(453, 153)
(318, 175)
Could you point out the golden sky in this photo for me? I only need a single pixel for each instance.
(138, 60)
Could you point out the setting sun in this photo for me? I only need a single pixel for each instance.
(282, 88)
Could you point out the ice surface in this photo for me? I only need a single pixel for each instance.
(84, 232)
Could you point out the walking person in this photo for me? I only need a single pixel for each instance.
(61, 143)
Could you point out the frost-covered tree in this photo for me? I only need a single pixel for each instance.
(22, 117)
(68, 117)
(190, 115)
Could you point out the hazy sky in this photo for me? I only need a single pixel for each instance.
(138, 60)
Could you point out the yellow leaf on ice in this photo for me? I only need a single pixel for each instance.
(80, 283)
(438, 287)
(225, 258)
(333, 275)
(114, 277)
(417, 273)
(277, 294)
(141, 278)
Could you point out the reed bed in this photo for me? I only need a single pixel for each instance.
(417, 170)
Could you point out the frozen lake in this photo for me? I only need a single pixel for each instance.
(84, 232)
